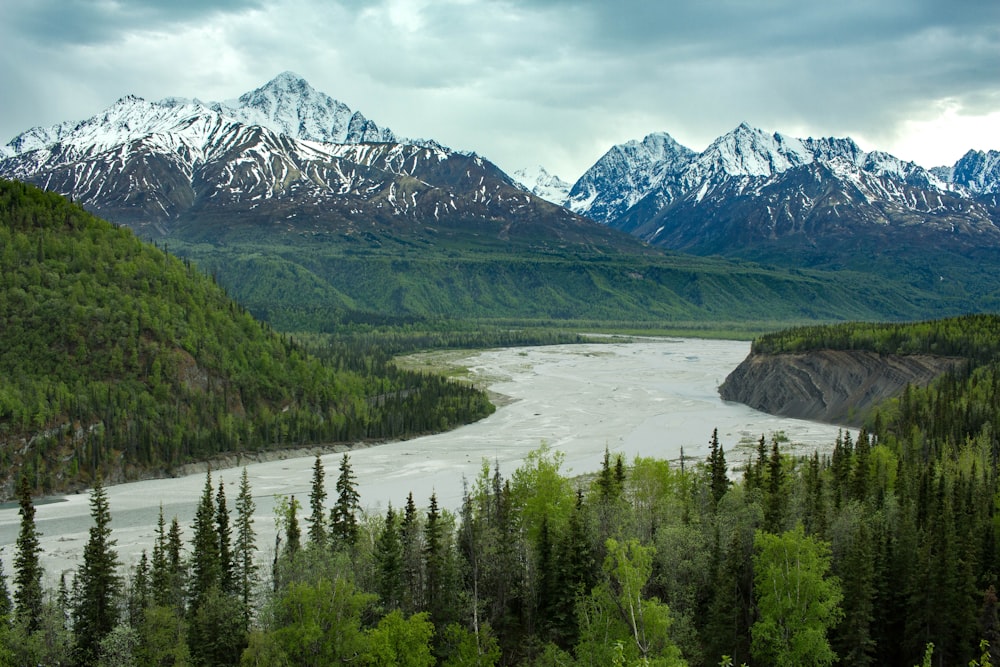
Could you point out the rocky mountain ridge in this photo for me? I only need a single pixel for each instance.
(282, 155)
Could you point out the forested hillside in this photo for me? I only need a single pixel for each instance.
(118, 357)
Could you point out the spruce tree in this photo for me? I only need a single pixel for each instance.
(293, 534)
(317, 497)
(413, 565)
(224, 533)
(176, 566)
(159, 570)
(139, 594)
(205, 563)
(96, 612)
(389, 561)
(343, 516)
(718, 470)
(245, 547)
(27, 567)
(6, 607)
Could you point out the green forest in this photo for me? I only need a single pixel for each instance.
(120, 359)
(881, 552)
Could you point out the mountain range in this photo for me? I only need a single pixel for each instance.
(287, 161)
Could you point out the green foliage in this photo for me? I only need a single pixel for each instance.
(894, 549)
(320, 281)
(96, 612)
(118, 358)
(27, 568)
(796, 599)
(400, 642)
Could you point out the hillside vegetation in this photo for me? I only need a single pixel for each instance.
(314, 282)
(118, 357)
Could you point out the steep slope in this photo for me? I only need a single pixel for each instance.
(629, 173)
(288, 105)
(539, 182)
(117, 357)
(840, 373)
(834, 386)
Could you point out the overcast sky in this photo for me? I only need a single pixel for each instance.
(525, 82)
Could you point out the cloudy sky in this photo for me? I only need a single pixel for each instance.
(526, 82)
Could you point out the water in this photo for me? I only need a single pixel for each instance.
(648, 398)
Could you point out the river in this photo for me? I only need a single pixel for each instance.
(648, 398)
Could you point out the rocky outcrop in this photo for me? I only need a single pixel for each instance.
(833, 386)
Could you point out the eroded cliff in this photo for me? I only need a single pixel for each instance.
(834, 386)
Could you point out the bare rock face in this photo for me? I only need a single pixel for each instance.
(833, 386)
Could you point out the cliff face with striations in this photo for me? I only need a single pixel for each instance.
(834, 386)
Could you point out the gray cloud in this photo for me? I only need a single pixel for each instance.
(525, 81)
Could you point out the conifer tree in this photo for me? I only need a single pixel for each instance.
(27, 567)
(317, 497)
(96, 612)
(774, 505)
(6, 607)
(413, 565)
(205, 562)
(159, 574)
(222, 529)
(343, 516)
(245, 547)
(389, 561)
(438, 566)
(718, 470)
(139, 594)
(293, 534)
(176, 566)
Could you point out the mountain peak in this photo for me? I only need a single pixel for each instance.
(287, 104)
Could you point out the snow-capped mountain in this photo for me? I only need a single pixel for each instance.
(626, 174)
(283, 156)
(288, 105)
(978, 171)
(539, 182)
(751, 192)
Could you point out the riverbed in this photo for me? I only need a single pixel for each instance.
(650, 398)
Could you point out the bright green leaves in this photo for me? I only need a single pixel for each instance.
(796, 599)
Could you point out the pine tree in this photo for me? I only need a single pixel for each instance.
(5, 603)
(293, 534)
(224, 533)
(440, 603)
(96, 612)
(343, 516)
(27, 567)
(245, 547)
(176, 566)
(159, 571)
(139, 595)
(317, 497)
(389, 561)
(718, 469)
(205, 562)
(413, 565)
(774, 502)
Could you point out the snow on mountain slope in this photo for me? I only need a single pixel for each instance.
(978, 171)
(626, 174)
(539, 182)
(633, 182)
(287, 104)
